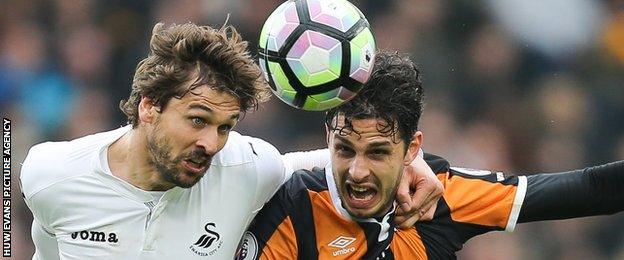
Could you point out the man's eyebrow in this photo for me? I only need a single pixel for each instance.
(342, 139)
(200, 106)
(209, 110)
(379, 144)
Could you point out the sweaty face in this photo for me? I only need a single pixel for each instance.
(189, 132)
(367, 167)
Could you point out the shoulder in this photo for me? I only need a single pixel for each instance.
(260, 165)
(312, 180)
(294, 195)
(51, 162)
(240, 149)
(437, 163)
(305, 180)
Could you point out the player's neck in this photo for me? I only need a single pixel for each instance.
(127, 159)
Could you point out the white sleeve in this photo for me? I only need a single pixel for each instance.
(271, 170)
(32, 180)
(46, 246)
(305, 160)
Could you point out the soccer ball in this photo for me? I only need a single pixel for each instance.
(316, 54)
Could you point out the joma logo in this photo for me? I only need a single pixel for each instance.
(95, 236)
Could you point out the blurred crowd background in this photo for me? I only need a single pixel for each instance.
(519, 86)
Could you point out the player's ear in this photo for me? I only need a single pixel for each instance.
(147, 110)
(327, 132)
(413, 147)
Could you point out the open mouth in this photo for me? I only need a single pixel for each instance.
(361, 195)
(196, 165)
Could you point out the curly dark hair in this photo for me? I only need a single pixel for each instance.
(180, 53)
(393, 94)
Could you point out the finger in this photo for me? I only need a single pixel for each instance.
(431, 190)
(429, 214)
(408, 219)
(405, 222)
(403, 193)
(428, 210)
(398, 211)
(439, 189)
(425, 192)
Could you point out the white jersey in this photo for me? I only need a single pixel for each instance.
(82, 211)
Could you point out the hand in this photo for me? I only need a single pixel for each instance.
(417, 195)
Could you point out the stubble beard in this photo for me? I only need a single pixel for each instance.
(160, 158)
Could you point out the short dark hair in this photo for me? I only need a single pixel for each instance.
(393, 94)
(178, 53)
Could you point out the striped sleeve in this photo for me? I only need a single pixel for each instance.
(474, 202)
(486, 199)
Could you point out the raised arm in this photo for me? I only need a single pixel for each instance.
(306, 159)
(479, 201)
(579, 193)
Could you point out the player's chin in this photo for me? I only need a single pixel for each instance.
(365, 209)
(373, 212)
(188, 179)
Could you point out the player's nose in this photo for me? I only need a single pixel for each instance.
(358, 169)
(209, 142)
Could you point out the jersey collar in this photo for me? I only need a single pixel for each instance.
(99, 164)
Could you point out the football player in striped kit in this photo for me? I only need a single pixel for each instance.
(345, 210)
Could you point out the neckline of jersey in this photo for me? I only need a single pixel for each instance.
(102, 170)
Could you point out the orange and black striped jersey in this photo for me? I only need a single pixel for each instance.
(305, 218)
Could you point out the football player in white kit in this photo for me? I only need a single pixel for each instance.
(176, 183)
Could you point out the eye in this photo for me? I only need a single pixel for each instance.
(379, 152)
(344, 150)
(198, 121)
(224, 128)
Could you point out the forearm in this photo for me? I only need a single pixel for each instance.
(306, 159)
(592, 191)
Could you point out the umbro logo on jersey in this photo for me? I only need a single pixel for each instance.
(208, 243)
(342, 242)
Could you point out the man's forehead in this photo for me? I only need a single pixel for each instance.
(368, 128)
(358, 124)
(213, 98)
(203, 84)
